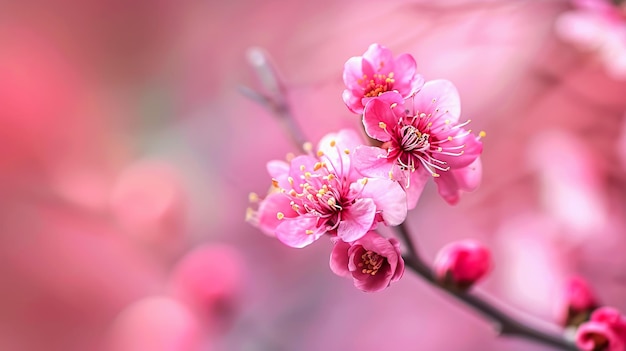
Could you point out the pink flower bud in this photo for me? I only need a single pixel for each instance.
(577, 302)
(210, 279)
(605, 331)
(460, 264)
(373, 261)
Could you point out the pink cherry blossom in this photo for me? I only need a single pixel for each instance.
(605, 331)
(377, 72)
(372, 261)
(322, 193)
(422, 137)
(461, 264)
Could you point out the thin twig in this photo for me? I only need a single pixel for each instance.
(275, 95)
(504, 323)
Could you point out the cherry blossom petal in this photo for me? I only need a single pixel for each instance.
(339, 259)
(415, 187)
(389, 198)
(266, 218)
(372, 161)
(357, 220)
(441, 99)
(378, 116)
(294, 231)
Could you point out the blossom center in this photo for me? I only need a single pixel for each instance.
(414, 148)
(377, 84)
(371, 262)
(319, 193)
(413, 139)
(414, 142)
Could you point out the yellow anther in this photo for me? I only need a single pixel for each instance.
(280, 215)
(390, 74)
(302, 168)
(449, 138)
(422, 115)
(447, 121)
(293, 193)
(249, 214)
(393, 105)
(309, 232)
(391, 175)
(365, 180)
(436, 175)
(320, 153)
(317, 166)
(253, 197)
(290, 180)
(331, 202)
(346, 151)
(333, 143)
(382, 125)
(482, 134)
(331, 177)
(274, 183)
(307, 175)
(308, 147)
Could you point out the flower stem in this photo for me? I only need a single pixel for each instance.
(504, 323)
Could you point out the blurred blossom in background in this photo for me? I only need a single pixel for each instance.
(128, 154)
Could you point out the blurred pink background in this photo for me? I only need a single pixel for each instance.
(128, 154)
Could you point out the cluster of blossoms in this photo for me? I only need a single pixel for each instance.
(346, 188)
(594, 328)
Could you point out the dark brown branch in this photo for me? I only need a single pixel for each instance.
(504, 323)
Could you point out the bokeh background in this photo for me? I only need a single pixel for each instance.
(128, 154)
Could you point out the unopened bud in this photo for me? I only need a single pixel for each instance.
(460, 264)
(606, 331)
(577, 302)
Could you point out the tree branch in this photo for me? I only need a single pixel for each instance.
(504, 323)
(275, 95)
